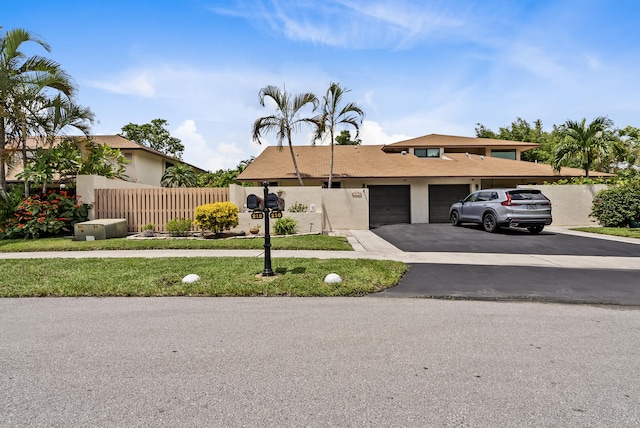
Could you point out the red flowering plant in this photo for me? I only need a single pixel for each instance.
(39, 216)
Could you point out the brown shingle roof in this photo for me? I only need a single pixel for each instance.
(450, 141)
(115, 142)
(373, 162)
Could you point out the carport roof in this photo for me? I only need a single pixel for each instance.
(373, 162)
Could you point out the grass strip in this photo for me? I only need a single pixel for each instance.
(224, 276)
(303, 242)
(614, 231)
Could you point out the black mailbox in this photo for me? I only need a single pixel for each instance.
(255, 203)
(274, 202)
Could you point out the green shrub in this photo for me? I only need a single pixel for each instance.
(285, 226)
(178, 226)
(51, 215)
(297, 208)
(617, 207)
(217, 217)
(9, 205)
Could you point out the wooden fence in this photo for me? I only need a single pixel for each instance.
(157, 206)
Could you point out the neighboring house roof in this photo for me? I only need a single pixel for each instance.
(451, 141)
(116, 142)
(373, 162)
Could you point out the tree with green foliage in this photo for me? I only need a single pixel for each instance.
(154, 135)
(26, 82)
(64, 161)
(344, 139)
(179, 175)
(286, 119)
(223, 177)
(336, 112)
(586, 143)
(627, 147)
(102, 160)
(521, 130)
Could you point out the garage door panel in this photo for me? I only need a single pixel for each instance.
(389, 205)
(441, 196)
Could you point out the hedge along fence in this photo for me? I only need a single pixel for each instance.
(155, 205)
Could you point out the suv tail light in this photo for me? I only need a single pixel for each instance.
(506, 203)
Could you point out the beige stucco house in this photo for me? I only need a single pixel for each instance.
(412, 181)
(146, 166)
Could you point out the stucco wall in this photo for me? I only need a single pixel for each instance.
(345, 209)
(327, 209)
(571, 204)
(146, 168)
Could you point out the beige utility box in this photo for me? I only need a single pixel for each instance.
(100, 229)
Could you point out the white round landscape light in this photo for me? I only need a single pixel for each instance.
(192, 277)
(332, 278)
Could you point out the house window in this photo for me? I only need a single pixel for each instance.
(128, 156)
(504, 154)
(427, 153)
(334, 185)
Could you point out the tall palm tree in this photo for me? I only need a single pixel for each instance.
(61, 113)
(584, 143)
(335, 113)
(286, 119)
(21, 79)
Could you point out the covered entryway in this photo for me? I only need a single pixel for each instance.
(389, 205)
(441, 196)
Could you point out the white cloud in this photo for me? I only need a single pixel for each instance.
(199, 152)
(353, 24)
(130, 83)
(371, 133)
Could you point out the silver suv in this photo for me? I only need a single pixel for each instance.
(495, 208)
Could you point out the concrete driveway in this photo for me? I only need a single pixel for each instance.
(612, 284)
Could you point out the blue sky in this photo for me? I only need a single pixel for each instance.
(414, 67)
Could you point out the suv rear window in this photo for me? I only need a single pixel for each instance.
(520, 195)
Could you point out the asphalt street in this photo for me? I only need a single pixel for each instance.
(316, 362)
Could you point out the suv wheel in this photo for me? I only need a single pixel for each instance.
(455, 218)
(489, 222)
(535, 229)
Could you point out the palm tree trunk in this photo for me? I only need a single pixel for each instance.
(23, 143)
(295, 163)
(331, 162)
(3, 166)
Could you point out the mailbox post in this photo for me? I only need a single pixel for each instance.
(271, 206)
(267, 237)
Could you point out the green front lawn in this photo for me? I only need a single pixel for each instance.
(220, 276)
(303, 242)
(615, 231)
